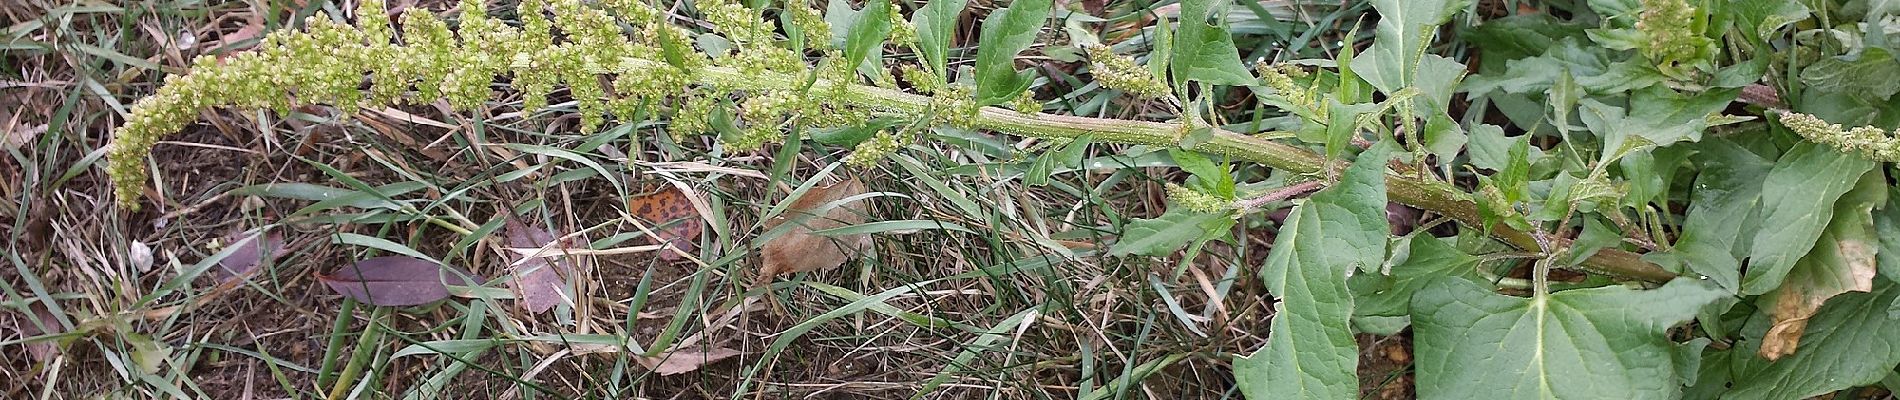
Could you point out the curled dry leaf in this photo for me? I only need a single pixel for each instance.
(17, 137)
(798, 250)
(396, 281)
(671, 215)
(140, 255)
(538, 282)
(249, 255)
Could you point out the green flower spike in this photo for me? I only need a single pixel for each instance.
(1868, 141)
(1197, 201)
(872, 150)
(1281, 78)
(1120, 73)
(1673, 38)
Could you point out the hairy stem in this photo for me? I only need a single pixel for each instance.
(1425, 194)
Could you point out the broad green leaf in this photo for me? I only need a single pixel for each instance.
(1657, 117)
(1853, 341)
(1688, 358)
(1350, 89)
(1713, 376)
(1887, 224)
(1491, 150)
(1518, 37)
(1622, 10)
(1342, 124)
(1436, 79)
(1310, 352)
(1658, 107)
(1841, 261)
(1160, 236)
(1623, 76)
(1391, 295)
(872, 26)
(1562, 198)
(1598, 343)
(851, 135)
(1197, 164)
(672, 48)
(1596, 236)
(1562, 97)
(1007, 32)
(1204, 52)
(1758, 19)
(1797, 202)
(1514, 179)
(1742, 74)
(1619, 39)
(841, 17)
(1721, 201)
(1212, 176)
(1524, 75)
(1405, 27)
(936, 26)
(1444, 138)
(1847, 109)
(1647, 174)
(1870, 74)
(1068, 158)
(1158, 59)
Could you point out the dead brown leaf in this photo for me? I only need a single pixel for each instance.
(1094, 7)
(798, 250)
(40, 351)
(671, 213)
(536, 281)
(17, 136)
(679, 362)
(228, 43)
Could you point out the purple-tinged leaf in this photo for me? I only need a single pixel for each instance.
(396, 281)
(537, 282)
(249, 255)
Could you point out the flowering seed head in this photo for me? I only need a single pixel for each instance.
(1119, 72)
(1870, 142)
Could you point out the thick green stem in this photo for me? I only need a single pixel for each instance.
(1425, 194)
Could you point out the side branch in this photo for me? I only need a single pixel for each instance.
(1428, 195)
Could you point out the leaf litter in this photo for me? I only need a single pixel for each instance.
(250, 254)
(538, 283)
(798, 249)
(670, 211)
